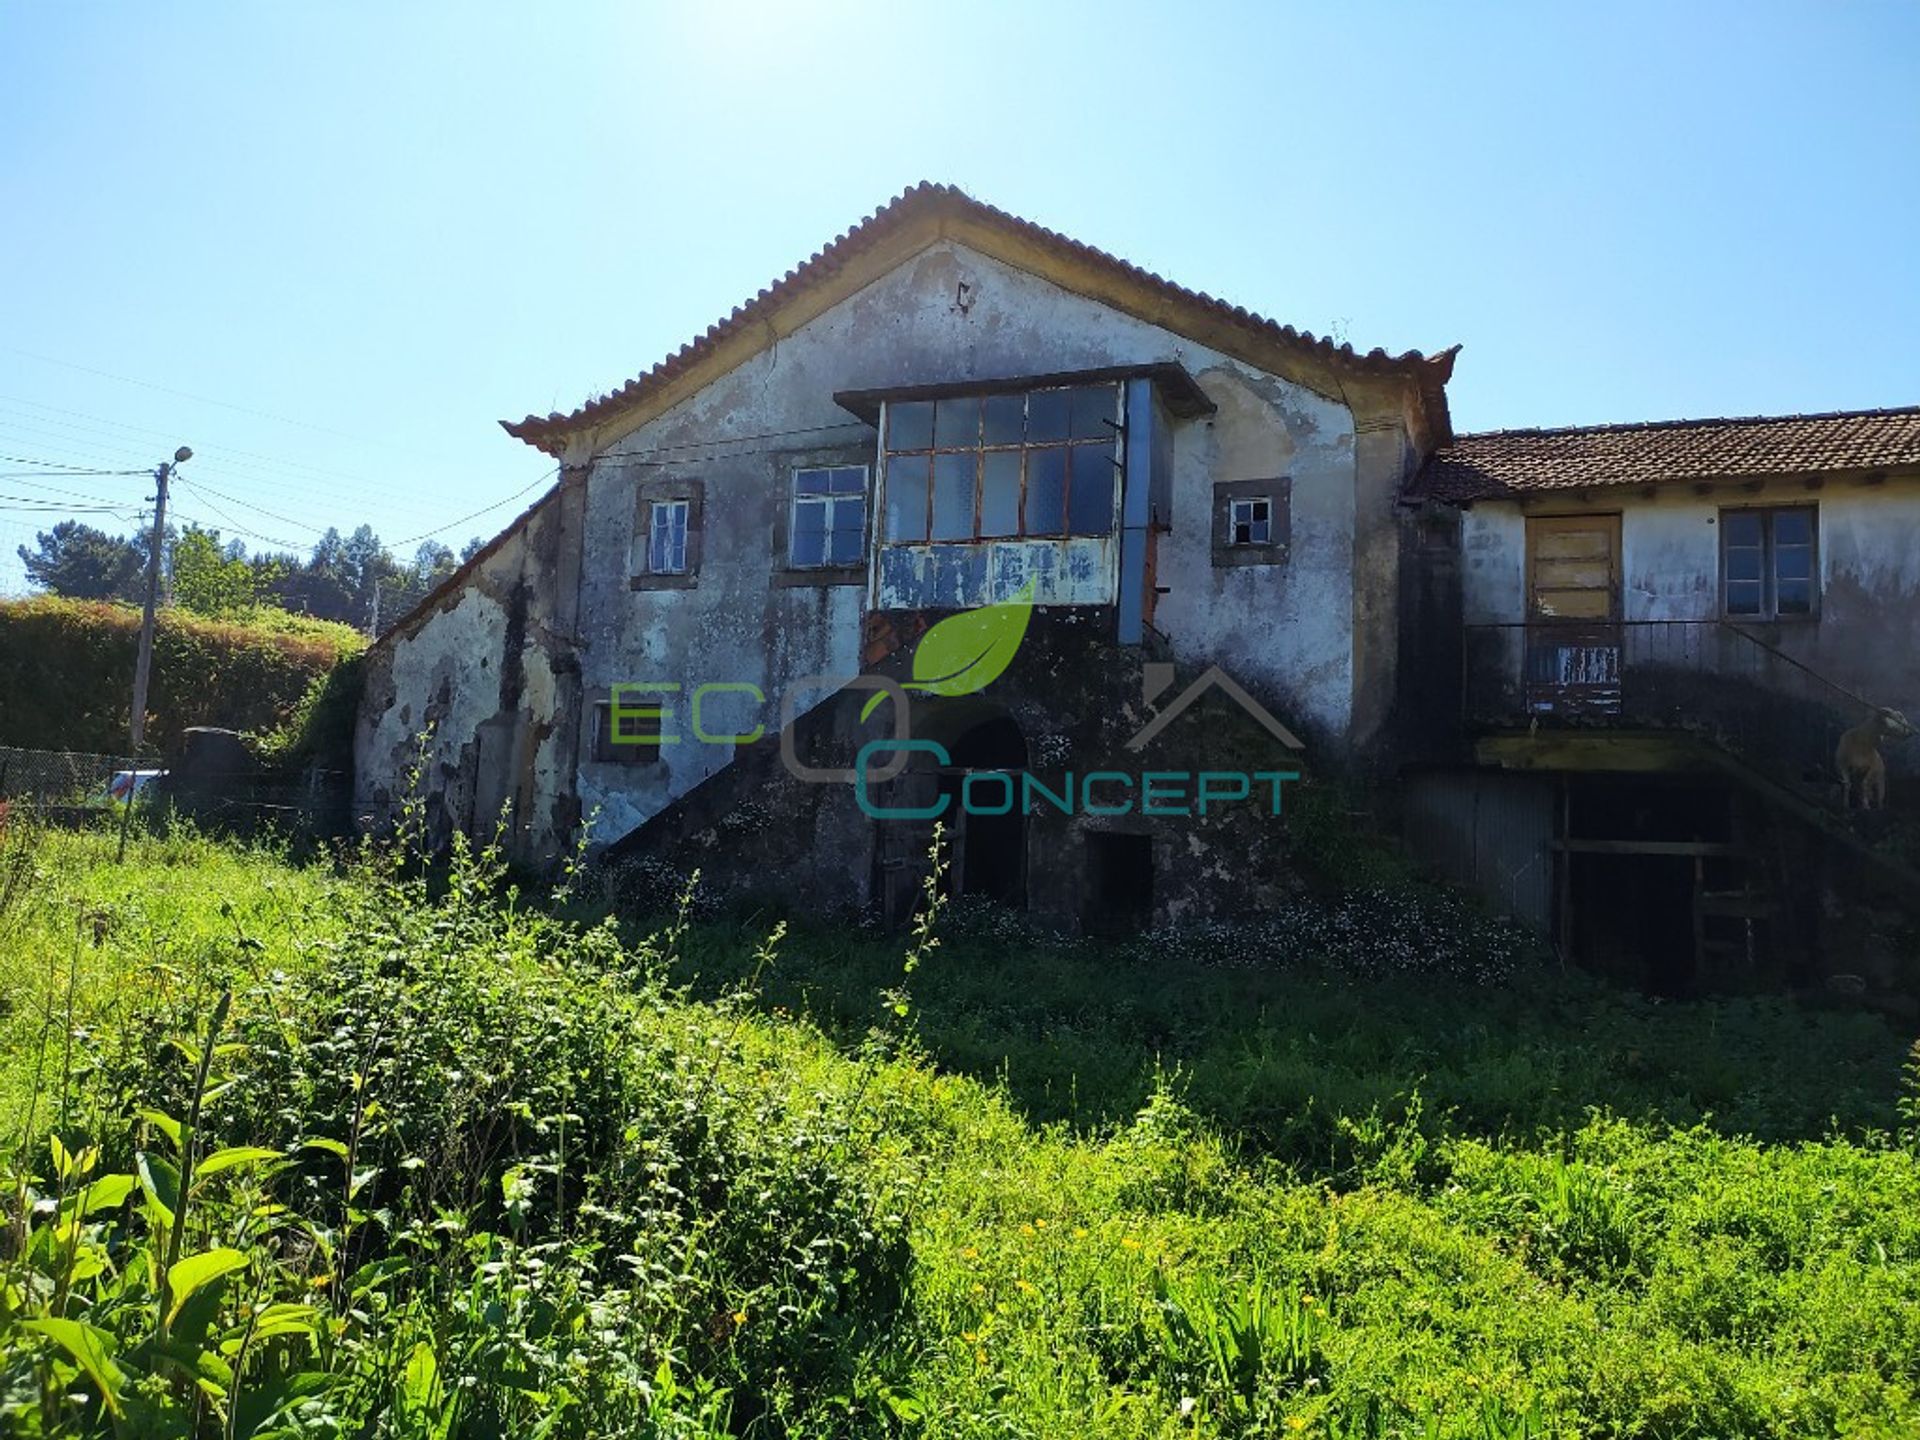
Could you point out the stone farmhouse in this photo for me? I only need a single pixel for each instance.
(1598, 674)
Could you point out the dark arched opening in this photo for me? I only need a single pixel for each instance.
(989, 850)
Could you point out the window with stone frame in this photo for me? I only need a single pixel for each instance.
(637, 741)
(667, 537)
(1252, 521)
(666, 534)
(829, 517)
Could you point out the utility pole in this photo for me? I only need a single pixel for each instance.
(143, 667)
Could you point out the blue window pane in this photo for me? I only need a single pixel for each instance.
(953, 496)
(1092, 412)
(956, 422)
(1743, 564)
(1090, 494)
(1793, 527)
(667, 540)
(1047, 416)
(1743, 597)
(1006, 419)
(1740, 527)
(1000, 493)
(1793, 562)
(810, 532)
(910, 425)
(1046, 492)
(848, 536)
(1794, 597)
(907, 498)
(847, 480)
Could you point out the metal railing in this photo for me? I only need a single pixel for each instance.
(1707, 677)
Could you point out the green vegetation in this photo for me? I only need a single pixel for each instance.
(297, 1151)
(66, 667)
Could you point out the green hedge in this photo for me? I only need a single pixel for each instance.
(66, 672)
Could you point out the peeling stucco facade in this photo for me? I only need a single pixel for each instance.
(506, 668)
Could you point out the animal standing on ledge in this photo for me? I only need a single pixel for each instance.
(1858, 758)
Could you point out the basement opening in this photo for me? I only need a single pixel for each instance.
(1119, 884)
(989, 851)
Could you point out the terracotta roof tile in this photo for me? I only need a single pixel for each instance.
(1432, 372)
(1498, 463)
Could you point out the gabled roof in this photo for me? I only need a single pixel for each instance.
(1499, 464)
(937, 211)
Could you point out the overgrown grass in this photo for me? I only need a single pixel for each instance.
(1303, 1063)
(464, 1169)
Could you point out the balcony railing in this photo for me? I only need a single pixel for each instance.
(1707, 677)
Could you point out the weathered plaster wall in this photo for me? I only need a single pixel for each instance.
(951, 315)
(1867, 635)
(477, 673)
(1287, 631)
(1284, 629)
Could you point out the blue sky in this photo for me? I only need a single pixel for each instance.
(330, 246)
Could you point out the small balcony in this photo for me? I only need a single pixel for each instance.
(1708, 679)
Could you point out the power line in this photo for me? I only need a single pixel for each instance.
(34, 430)
(453, 524)
(95, 421)
(202, 489)
(70, 494)
(57, 507)
(189, 395)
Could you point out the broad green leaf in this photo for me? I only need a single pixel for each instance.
(259, 1406)
(109, 1192)
(231, 1156)
(967, 652)
(417, 1385)
(190, 1274)
(165, 1124)
(332, 1147)
(92, 1351)
(72, 1166)
(271, 1322)
(161, 1182)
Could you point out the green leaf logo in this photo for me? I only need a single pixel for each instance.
(967, 652)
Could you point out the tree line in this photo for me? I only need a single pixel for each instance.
(353, 579)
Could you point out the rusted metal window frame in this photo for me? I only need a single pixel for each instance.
(1115, 454)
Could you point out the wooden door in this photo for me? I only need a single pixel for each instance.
(1573, 567)
(1573, 609)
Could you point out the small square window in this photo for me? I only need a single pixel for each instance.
(638, 739)
(667, 537)
(1251, 522)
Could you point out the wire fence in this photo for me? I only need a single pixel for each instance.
(72, 787)
(61, 777)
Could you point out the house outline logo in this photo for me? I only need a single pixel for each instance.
(1158, 675)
